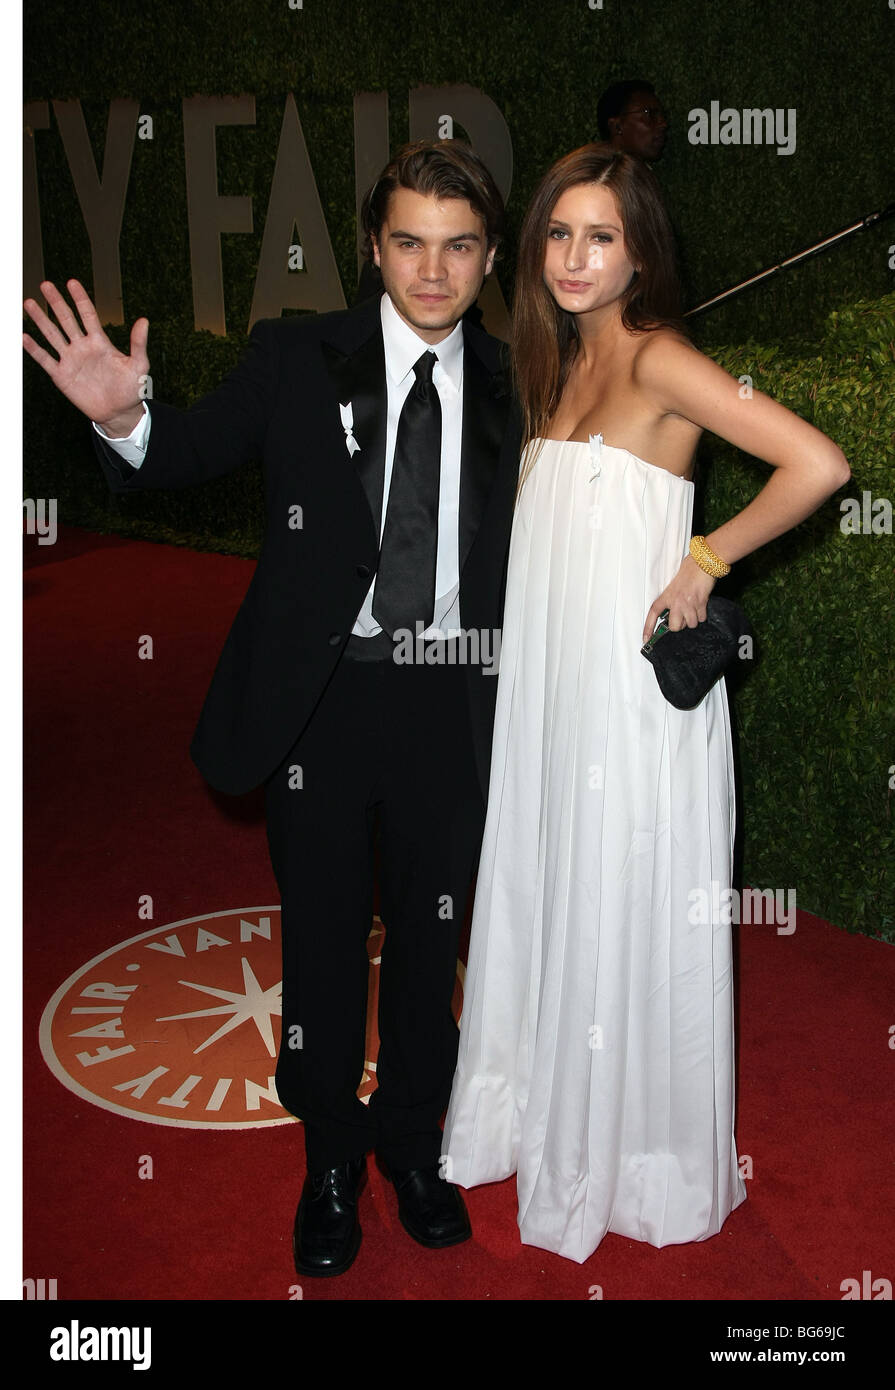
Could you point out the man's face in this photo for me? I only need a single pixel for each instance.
(641, 128)
(433, 257)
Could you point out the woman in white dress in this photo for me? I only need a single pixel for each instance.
(596, 1050)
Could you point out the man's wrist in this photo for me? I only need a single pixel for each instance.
(121, 426)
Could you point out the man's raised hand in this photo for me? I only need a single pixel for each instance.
(101, 381)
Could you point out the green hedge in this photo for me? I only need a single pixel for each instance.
(816, 715)
(737, 209)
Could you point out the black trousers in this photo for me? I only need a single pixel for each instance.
(387, 753)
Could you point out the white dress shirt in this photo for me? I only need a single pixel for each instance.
(403, 348)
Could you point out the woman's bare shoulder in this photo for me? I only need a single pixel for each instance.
(660, 344)
(666, 359)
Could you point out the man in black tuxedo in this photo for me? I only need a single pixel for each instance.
(390, 455)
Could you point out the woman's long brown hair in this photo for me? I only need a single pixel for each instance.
(544, 336)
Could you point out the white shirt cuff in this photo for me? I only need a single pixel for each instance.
(131, 447)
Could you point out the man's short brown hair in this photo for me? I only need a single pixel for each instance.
(438, 168)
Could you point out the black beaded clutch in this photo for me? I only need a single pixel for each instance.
(687, 663)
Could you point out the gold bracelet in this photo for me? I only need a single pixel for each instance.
(706, 558)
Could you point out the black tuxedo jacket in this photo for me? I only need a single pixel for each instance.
(280, 406)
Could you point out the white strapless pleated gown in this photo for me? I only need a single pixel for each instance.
(596, 1049)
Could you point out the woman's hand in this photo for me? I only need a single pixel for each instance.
(685, 598)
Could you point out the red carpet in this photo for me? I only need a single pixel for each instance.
(115, 811)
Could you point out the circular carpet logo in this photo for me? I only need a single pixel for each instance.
(181, 1024)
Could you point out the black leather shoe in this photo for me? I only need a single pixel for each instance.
(327, 1234)
(429, 1208)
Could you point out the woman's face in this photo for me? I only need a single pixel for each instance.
(586, 266)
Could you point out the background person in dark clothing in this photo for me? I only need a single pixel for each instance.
(630, 117)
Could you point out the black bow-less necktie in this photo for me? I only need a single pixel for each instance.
(405, 580)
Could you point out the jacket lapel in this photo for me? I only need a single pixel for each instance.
(357, 371)
(486, 402)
